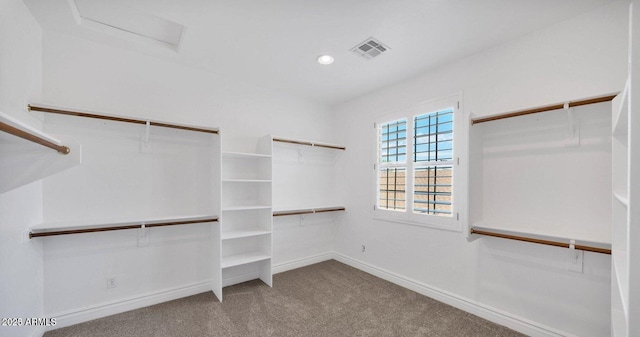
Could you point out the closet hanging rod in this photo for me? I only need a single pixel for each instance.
(33, 138)
(558, 106)
(39, 233)
(302, 142)
(309, 211)
(540, 241)
(118, 119)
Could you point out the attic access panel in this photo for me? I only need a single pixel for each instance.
(130, 20)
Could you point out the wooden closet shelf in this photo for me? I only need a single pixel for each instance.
(593, 100)
(309, 211)
(52, 231)
(308, 143)
(18, 129)
(520, 237)
(119, 119)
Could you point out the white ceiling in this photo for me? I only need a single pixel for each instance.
(275, 43)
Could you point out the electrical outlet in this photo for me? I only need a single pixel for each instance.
(111, 282)
(575, 260)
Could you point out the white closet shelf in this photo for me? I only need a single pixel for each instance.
(236, 234)
(309, 143)
(64, 111)
(240, 259)
(246, 180)
(621, 113)
(622, 198)
(245, 155)
(541, 238)
(308, 211)
(77, 227)
(244, 208)
(15, 127)
(555, 106)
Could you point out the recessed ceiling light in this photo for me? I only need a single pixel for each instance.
(325, 59)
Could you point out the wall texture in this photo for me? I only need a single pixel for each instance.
(581, 57)
(584, 56)
(20, 259)
(80, 74)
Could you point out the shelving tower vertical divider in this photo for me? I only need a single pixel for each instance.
(620, 215)
(625, 276)
(215, 230)
(244, 236)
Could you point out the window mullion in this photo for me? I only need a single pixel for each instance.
(411, 130)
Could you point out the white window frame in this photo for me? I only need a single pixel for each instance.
(458, 164)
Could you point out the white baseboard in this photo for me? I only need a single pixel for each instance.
(111, 308)
(303, 262)
(511, 321)
(497, 316)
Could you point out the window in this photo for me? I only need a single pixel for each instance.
(393, 157)
(416, 165)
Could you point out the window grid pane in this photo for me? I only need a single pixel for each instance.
(392, 193)
(393, 141)
(433, 136)
(432, 190)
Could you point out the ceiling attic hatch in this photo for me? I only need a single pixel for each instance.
(128, 20)
(370, 48)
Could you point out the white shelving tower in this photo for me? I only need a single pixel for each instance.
(625, 274)
(620, 215)
(245, 232)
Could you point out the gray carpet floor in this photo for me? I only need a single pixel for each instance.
(325, 299)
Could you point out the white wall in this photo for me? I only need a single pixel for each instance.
(20, 208)
(578, 58)
(84, 75)
(304, 178)
(537, 176)
(79, 74)
(125, 177)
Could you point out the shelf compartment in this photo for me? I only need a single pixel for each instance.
(246, 249)
(247, 220)
(238, 234)
(260, 269)
(241, 259)
(246, 167)
(245, 194)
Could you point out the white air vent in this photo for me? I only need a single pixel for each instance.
(370, 48)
